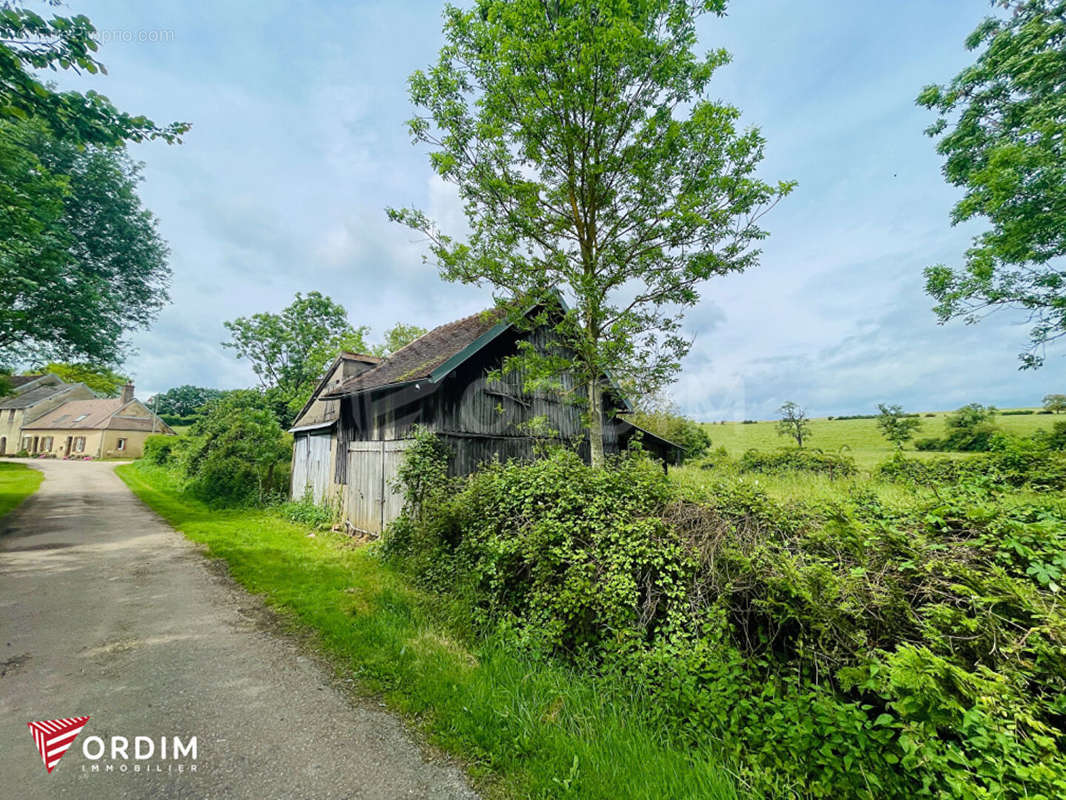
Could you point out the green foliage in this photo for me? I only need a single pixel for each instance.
(1007, 150)
(849, 650)
(237, 453)
(81, 261)
(306, 511)
(183, 401)
(590, 162)
(1055, 403)
(1012, 461)
(897, 427)
(159, 449)
(794, 423)
(290, 351)
(693, 438)
(970, 429)
(397, 337)
(527, 727)
(30, 44)
(835, 466)
(570, 556)
(102, 380)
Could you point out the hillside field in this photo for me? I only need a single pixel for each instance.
(858, 438)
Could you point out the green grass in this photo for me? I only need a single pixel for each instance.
(859, 438)
(525, 728)
(17, 482)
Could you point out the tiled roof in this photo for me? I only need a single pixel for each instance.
(18, 380)
(33, 396)
(418, 359)
(78, 414)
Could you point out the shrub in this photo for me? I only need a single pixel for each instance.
(853, 651)
(237, 453)
(1012, 462)
(970, 429)
(929, 443)
(159, 448)
(835, 466)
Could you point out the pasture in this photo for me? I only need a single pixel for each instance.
(858, 438)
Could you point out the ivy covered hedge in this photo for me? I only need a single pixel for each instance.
(850, 651)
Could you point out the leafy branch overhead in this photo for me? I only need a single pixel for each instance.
(1002, 131)
(590, 161)
(29, 43)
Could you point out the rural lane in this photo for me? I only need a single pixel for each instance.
(107, 612)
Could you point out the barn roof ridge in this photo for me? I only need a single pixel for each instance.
(425, 357)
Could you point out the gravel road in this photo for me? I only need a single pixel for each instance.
(107, 612)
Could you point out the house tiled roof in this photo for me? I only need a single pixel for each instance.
(80, 414)
(33, 396)
(418, 359)
(19, 380)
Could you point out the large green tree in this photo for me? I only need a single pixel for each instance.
(590, 162)
(30, 43)
(81, 261)
(1002, 130)
(289, 351)
(184, 401)
(398, 336)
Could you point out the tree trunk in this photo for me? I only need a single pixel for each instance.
(595, 423)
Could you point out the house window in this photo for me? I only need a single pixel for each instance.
(46, 444)
(121, 444)
(27, 443)
(79, 444)
(11, 415)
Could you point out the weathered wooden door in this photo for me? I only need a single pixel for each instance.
(310, 467)
(372, 502)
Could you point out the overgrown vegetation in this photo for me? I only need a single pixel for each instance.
(842, 650)
(527, 728)
(970, 429)
(235, 454)
(835, 466)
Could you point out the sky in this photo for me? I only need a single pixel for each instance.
(298, 145)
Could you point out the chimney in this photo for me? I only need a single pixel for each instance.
(127, 393)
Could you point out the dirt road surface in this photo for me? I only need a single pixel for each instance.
(107, 612)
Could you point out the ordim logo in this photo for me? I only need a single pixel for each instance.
(54, 737)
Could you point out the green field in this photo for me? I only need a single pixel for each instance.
(17, 482)
(858, 438)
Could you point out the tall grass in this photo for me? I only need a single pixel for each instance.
(525, 728)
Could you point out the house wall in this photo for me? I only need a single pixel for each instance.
(10, 430)
(59, 442)
(12, 419)
(98, 443)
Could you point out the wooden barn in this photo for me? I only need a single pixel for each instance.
(350, 437)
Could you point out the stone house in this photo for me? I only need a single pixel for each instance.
(98, 428)
(33, 397)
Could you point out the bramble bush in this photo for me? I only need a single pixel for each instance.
(843, 651)
(835, 466)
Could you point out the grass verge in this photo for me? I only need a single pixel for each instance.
(525, 728)
(17, 482)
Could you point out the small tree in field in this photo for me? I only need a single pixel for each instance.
(1055, 403)
(794, 423)
(897, 427)
(591, 163)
